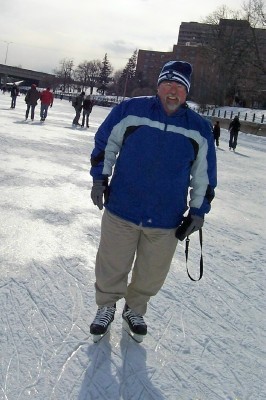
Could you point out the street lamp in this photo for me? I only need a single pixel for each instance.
(7, 45)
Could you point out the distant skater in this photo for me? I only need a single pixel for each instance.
(47, 100)
(77, 104)
(216, 133)
(14, 92)
(87, 107)
(31, 99)
(234, 128)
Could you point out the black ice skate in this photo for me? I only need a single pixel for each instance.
(134, 324)
(102, 322)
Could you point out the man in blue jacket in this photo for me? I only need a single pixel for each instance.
(149, 152)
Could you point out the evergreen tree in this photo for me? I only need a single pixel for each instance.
(105, 73)
(128, 81)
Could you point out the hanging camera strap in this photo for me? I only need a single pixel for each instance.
(201, 256)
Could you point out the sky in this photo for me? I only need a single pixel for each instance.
(206, 340)
(41, 34)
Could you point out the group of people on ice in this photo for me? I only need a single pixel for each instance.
(32, 96)
(46, 97)
(31, 99)
(82, 103)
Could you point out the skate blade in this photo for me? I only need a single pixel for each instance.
(138, 338)
(97, 338)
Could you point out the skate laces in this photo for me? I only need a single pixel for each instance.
(134, 318)
(104, 316)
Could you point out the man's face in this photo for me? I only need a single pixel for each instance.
(172, 94)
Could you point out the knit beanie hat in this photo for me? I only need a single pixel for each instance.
(178, 71)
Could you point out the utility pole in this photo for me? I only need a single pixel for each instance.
(7, 45)
(125, 87)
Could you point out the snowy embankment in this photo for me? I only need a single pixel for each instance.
(206, 340)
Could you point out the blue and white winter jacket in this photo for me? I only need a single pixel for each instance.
(154, 159)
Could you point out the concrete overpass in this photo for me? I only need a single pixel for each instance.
(41, 79)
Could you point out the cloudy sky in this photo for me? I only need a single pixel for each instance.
(37, 35)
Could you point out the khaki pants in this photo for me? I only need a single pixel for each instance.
(121, 243)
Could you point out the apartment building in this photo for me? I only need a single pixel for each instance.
(223, 58)
(194, 34)
(149, 64)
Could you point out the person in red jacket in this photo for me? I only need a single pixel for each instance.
(47, 100)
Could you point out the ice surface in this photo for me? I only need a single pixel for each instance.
(206, 340)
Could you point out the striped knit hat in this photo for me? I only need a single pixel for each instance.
(178, 71)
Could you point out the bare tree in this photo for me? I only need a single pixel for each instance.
(87, 73)
(64, 73)
(222, 12)
(254, 13)
(236, 51)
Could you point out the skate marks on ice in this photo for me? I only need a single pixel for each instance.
(139, 377)
(117, 369)
(98, 378)
(197, 347)
(49, 353)
(42, 327)
(218, 353)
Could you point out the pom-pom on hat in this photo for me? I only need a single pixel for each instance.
(178, 71)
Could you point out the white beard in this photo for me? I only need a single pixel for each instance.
(172, 107)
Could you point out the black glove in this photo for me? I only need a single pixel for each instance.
(51, 105)
(190, 224)
(99, 191)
